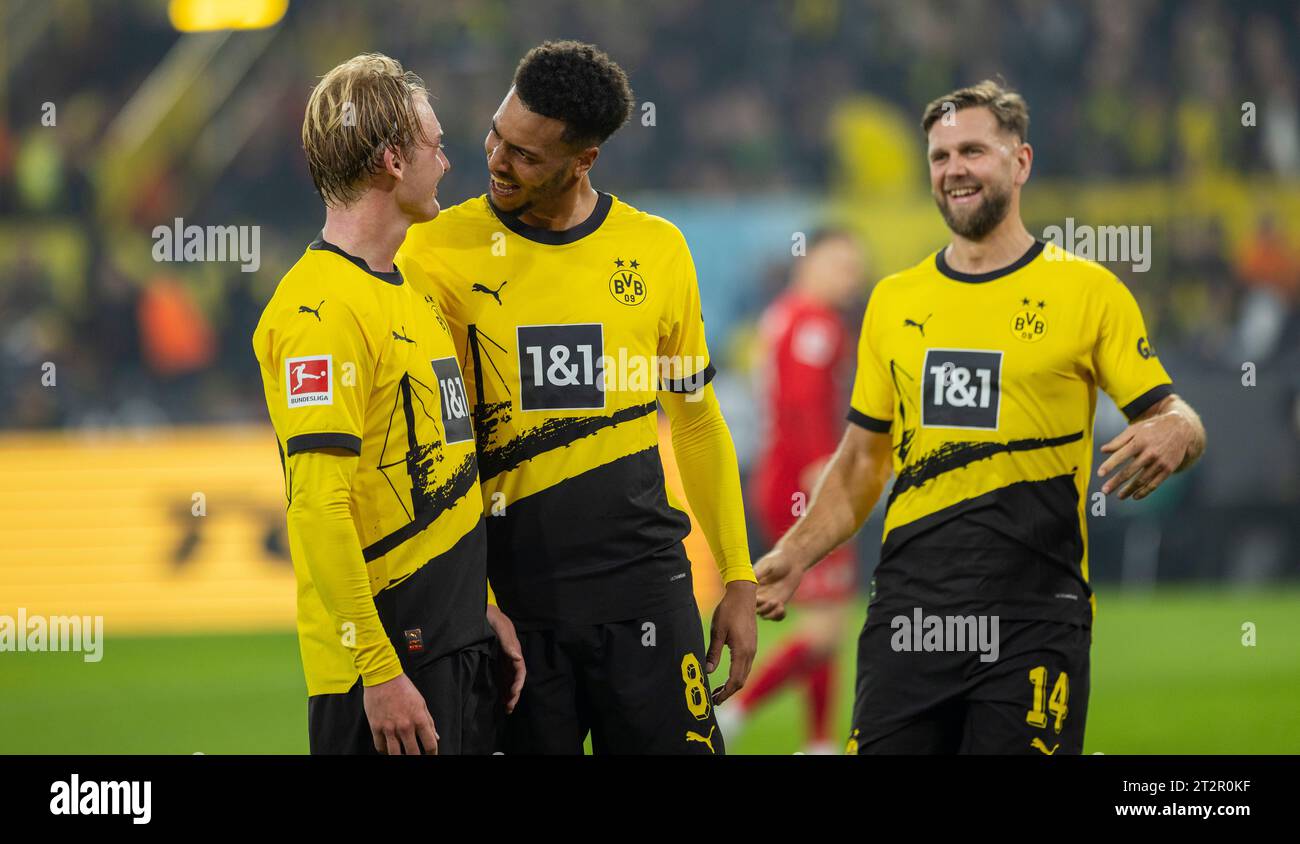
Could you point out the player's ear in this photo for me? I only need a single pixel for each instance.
(393, 162)
(1025, 160)
(586, 159)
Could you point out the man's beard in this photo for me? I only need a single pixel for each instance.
(545, 192)
(983, 220)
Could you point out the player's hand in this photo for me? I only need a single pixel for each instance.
(512, 667)
(778, 578)
(397, 715)
(1153, 448)
(733, 625)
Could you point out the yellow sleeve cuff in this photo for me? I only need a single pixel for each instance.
(389, 668)
(743, 572)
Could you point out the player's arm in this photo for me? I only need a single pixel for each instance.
(1164, 434)
(1167, 437)
(323, 537)
(850, 484)
(848, 489)
(511, 669)
(706, 459)
(321, 443)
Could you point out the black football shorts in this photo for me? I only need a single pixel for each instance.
(637, 686)
(1032, 699)
(460, 689)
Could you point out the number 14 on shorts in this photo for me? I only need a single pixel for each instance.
(1057, 703)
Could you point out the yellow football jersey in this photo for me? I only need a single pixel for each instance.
(566, 337)
(360, 360)
(988, 386)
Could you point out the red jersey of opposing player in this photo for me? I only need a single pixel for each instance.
(809, 354)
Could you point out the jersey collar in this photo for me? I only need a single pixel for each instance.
(976, 278)
(320, 243)
(557, 238)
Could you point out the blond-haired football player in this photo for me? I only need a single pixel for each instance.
(369, 408)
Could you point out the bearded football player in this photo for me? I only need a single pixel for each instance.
(978, 633)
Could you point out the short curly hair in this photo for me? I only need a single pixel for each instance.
(577, 84)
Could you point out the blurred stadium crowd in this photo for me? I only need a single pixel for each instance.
(150, 125)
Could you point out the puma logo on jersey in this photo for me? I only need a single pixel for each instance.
(919, 326)
(707, 741)
(402, 337)
(1038, 745)
(483, 288)
(303, 309)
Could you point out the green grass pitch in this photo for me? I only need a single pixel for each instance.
(1169, 675)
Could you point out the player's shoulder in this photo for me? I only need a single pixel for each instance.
(451, 225)
(323, 283)
(1086, 276)
(905, 282)
(1082, 270)
(627, 218)
(326, 270)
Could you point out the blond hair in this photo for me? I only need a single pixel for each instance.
(356, 111)
(1008, 107)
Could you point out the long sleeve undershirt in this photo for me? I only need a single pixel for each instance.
(323, 536)
(706, 460)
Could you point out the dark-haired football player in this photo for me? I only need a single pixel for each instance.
(576, 315)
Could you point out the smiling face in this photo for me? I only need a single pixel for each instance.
(976, 170)
(529, 163)
(422, 166)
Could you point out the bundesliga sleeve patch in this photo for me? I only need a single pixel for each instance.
(309, 381)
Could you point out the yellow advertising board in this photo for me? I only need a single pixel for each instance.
(164, 530)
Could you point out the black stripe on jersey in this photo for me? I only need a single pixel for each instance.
(957, 455)
(445, 600)
(1139, 405)
(871, 423)
(690, 383)
(941, 264)
(599, 547)
(1043, 515)
(306, 442)
(557, 238)
(550, 435)
(1015, 551)
(321, 244)
(429, 504)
